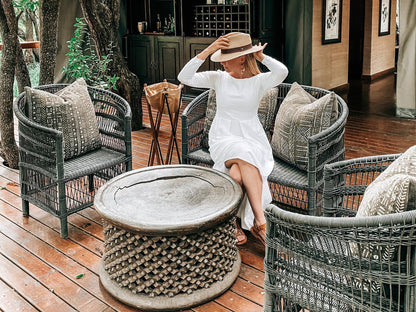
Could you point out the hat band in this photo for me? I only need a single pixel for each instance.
(238, 49)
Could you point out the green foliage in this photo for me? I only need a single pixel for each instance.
(83, 59)
(29, 5)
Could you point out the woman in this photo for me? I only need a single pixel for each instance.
(238, 143)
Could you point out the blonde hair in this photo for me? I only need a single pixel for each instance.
(250, 65)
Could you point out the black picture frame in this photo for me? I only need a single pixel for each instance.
(384, 19)
(331, 21)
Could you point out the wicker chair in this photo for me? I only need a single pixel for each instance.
(318, 264)
(62, 187)
(296, 189)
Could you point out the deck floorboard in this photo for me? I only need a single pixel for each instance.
(38, 269)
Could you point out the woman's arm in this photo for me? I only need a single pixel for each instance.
(189, 75)
(278, 71)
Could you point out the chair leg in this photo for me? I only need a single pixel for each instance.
(64, 227)
(91, 182)
(25, 208)
(62, 209)
(23, 190)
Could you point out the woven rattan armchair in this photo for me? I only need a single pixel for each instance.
(62, 187)
(296, 189)
(317, 262)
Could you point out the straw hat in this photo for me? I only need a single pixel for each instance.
(240, 44)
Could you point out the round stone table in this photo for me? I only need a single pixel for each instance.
(169, 236)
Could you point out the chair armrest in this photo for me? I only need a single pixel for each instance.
(314, 261)
(327, 146)
(346, 181)
(193, 119)
(114, 120)
(40, 147)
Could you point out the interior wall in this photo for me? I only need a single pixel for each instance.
(378, 54)
(330, 61)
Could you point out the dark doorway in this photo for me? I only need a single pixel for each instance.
(356, 42)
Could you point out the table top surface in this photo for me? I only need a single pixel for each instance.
(170, 199)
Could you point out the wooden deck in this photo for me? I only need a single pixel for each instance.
(39, 271)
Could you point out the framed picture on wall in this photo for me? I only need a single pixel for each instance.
(331, 21)
(384, 18)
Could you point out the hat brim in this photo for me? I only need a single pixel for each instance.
(217, 56)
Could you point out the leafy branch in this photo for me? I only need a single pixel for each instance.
(84, 62)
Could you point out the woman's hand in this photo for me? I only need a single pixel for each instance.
(221, 43)
(259, 54)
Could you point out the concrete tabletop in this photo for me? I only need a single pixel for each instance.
(169, 199)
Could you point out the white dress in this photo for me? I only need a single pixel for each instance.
(236, 131)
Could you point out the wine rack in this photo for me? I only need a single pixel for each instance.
(217, 20)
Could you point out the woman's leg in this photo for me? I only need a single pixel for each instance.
(253, 184)
(235, 174)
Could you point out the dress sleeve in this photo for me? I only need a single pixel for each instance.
(190, 77)
(278, 72)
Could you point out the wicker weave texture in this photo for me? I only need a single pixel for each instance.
(289, 185)
(169, 265)
(62, 187)
(320, 263)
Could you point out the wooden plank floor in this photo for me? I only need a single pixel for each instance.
(39, 271)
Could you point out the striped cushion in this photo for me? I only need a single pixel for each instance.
(300, 116)
(71, 111)
(266, 110)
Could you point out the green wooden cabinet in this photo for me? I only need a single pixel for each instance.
(140, 57)
(154, 58)
(168, 58)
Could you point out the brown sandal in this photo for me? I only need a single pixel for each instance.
(240, 237)
(259, 232)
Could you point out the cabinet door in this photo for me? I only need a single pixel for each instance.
(141, 57)
(193, 46)
(169, 58)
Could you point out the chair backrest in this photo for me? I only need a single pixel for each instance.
(317, 93)
(113, 115)
(319, 251)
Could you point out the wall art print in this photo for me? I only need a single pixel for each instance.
(384, 18)
(331, 21)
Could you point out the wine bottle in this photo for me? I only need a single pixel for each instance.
(158, 23)
(172, 25)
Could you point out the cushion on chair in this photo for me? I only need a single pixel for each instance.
(210, 114)
(266, 110)
(393, 191)
(71, 111)
(300, 116)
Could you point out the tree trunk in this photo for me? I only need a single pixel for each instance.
(8, 27)
(49, 11)
(34, 20)
(28, 36)
(102, 17)
(21, 72)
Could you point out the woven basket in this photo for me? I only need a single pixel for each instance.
(155, 95)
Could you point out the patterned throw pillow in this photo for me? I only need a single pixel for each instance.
(71, 111)
(393, 191)
(266, 110)
(211, 109)
(300, 116)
